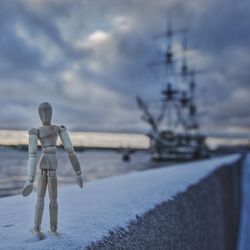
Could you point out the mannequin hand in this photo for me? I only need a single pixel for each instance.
(27, 189)
(79, 180)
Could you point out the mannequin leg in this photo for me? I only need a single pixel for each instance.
(53, 207)
(41, 191)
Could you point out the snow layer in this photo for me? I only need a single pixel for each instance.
(244, 236)
(88, 215)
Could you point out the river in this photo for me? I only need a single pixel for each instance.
(96, 164)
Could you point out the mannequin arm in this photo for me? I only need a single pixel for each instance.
(32, 161)
(71, 153)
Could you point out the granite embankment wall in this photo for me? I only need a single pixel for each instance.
(204, 217)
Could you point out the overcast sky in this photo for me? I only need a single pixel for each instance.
(88, 58)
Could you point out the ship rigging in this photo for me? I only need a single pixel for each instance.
(174, 132)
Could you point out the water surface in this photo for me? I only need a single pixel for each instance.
(96, 164)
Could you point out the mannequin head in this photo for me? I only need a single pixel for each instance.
(45, 113)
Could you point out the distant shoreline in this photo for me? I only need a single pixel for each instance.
(24, 147)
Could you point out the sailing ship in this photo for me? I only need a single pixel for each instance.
(174, 133)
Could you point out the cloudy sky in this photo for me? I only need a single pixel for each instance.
(88, 58)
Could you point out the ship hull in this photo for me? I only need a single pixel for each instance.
(169, 146)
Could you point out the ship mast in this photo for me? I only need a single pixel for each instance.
(178, 107)
(175, 97)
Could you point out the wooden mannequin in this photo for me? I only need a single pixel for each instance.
(47, 134)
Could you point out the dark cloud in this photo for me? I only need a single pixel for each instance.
(88, 58)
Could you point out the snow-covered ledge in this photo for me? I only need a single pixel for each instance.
(118, 205)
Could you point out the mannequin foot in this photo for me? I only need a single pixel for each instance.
(38, 233)
(53, 229)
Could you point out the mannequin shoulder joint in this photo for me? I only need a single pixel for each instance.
(62, 128)
(33, 131)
